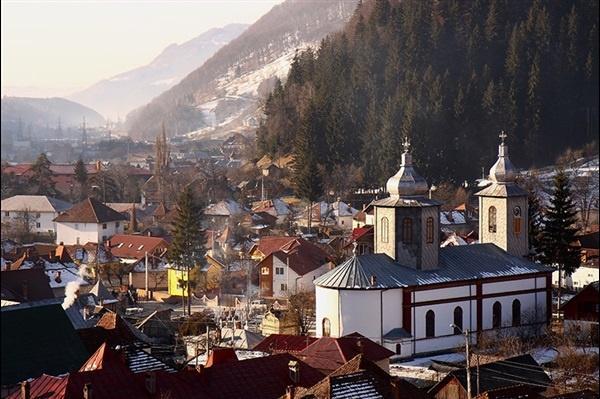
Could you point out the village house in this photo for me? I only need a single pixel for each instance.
(582, 313)
(88, 221)
(278, 322)
(219, 215)
(275, 207)
(407, 294)
(337, 215)
(37, 211)
(292, 268)
(589, 270)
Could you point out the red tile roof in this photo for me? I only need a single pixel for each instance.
(359, 232)
(303, 256)
(221, 356)
(90, 211)
(328, 354)
(269, 244)
(283, 343)
(134, 246)
(104, 358)
(44, 387)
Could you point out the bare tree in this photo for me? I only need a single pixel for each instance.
(301, 307)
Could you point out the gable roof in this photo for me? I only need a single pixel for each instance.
(277, 343)
(90, 211)
(464, 262)
(134, 246)
(520, 370)
(269, 244)
(38, 340)
(302, 256)
(26, 284)
(328, 354)
(34, 203)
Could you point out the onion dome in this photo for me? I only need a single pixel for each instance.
(407, 182)
(503, 171)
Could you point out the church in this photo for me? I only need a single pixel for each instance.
(409, 292)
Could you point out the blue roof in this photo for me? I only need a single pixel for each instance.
(457, 263)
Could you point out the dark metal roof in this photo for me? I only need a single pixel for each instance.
(502, 190)
(406, 202)
(396, 334)
(457, 263)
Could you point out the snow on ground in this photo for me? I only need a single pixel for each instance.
(417, 370)
(544, 355)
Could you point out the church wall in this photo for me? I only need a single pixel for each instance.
(528, 308)
(392, 309)
(388, 247)
(513, 285)
(408, 254)
(485, 236)
(518, 244)
(328, 307)
(430, 252)
(361, 312)
(444, 293)
(444, 316)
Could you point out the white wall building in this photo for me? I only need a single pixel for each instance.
(406, 294)
(88, 221)
(39, 211)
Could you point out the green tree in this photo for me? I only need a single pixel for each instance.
(559, 230)
(81, 177)
(187, 250)
(41, 179)
(104, 187)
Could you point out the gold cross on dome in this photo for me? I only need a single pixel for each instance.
(503, 136)
(406, 144)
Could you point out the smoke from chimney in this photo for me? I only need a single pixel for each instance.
(72, 288)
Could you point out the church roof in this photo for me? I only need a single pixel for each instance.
(457, 263)
(502, 190)
(415, 202)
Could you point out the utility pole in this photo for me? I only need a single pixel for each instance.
(146, 275)
(466, 334)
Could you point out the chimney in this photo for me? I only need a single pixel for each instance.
(87, 390)
(373, 280)
(294, 371)
(57, 277)
(150, 382)
(25, 289)
(25, 390)
(98, 166)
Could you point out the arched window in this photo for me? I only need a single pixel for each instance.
(458, 319)
(497, 315)
(407, 230)
(516, 313)
(492, 219)
(326, 327)
(517, 220)
(429, 230)
(430, 324)
(385, 225)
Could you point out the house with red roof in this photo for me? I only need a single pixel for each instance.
(88, 221)
(291, 268)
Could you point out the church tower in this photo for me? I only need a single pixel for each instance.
(503, 207)
(407, 222)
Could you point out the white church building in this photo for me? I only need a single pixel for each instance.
(407, 294)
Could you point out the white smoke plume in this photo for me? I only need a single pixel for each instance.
(72, 287)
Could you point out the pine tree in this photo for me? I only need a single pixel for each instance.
(81, 177)
(187, 250)
(104, 187)
(559, 230)
(535, 219)
(306, 178)
(41, 178)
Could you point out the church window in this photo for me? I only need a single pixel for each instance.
(497, 315)
(430, 324)
(326, 327)
(458, 320)
(516, 313)
(407, 230)
(517, 220)
(492, 219)
(385, 225)
(429, 230)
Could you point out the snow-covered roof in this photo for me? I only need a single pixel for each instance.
(224, 208)
(35, 203)
(60, 274)
(452, 217)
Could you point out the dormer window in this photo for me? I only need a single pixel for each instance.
(407, 230)
(492, 219)
(140, 247)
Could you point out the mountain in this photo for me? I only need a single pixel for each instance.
(448, 75)
(121, 93)
(42, 115)
(223, 95)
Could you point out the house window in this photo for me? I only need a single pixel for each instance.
(104, 226)
(77, 240)
(117, 225)
(497, 315)
(326, 327)
(458, 320)
(38, 225)
(37, 215)
(6, 213)
(430, 324)
(517, 220)
(429, 230)
(279, 270)
(516, 313)
(407, 230)
(264, 270)
(492, 219)
(283, 287)
(104, 238)
(385, 225)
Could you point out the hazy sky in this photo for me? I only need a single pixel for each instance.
(57, 47)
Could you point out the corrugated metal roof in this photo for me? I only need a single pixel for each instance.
(467, 262)
(359, 385)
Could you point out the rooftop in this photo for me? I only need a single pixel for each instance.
(90, 211)
(35, 203)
